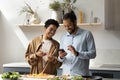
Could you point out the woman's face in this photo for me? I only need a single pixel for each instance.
(50, 30)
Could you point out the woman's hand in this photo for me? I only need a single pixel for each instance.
(50, 58)
(40, 53)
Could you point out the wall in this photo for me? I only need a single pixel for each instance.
(11, 48)
(10, 8)
(107, 42)
(88, 6)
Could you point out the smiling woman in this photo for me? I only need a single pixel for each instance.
(42, 51)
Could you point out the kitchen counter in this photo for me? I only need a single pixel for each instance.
(46, 79)
(21, 67)
(17, 64)
(105, 70)
(107, 67)
(111, 67)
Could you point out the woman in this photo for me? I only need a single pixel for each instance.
(42, 51)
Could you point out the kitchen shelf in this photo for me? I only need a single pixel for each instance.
(90, 24)
(82, 24)
(27, 31)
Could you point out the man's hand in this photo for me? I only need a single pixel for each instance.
(62, 54)
(40, 53)
(72, 49)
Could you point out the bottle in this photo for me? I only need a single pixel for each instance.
(91, 17)
(81, 17)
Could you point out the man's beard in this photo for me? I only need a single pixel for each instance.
(71, 31)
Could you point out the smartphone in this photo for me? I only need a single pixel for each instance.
(62, 50)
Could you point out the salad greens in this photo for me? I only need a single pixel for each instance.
(10, 75)
(77, 77)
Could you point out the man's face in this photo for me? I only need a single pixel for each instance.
(69, 26)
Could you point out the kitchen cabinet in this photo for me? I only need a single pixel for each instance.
(112, 14)
(107, 71)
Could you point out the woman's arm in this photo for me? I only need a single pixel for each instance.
(30, 55)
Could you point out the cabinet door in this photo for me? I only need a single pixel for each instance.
(109, 14)
(112, 14)
(106, 73)
(117, 14)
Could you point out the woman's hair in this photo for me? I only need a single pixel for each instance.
(51, 21)
(71, 15)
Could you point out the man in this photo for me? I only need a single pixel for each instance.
(77, 47)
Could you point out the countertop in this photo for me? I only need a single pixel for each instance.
(46, 79)
(111, 67)
(107, 67)
(17, 64)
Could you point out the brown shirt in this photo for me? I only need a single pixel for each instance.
(36, 62)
